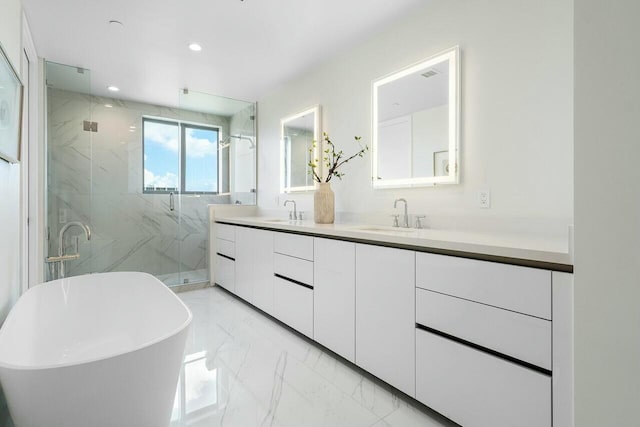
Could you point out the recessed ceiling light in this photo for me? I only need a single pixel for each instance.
(108, 106)
(132, 130)
(195, 47)
(113, 88)
(132, 127)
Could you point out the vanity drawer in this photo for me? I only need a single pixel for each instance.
(294, 245)
(225, 232)
(476, 389)
(293, 304)
(522, 289)
(523, 337)
(225, 273)
(226, 248)
(293, 268)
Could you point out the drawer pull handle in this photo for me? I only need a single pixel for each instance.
(485, 350)
(295, 282)
(225, 256)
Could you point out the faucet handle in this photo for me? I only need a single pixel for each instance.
(418, 220)
(395, 220)
(291, 216)
(300, 213)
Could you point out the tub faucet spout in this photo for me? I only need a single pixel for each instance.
(87, 233)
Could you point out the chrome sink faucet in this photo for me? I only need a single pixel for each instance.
(405, 221)
(293, 215)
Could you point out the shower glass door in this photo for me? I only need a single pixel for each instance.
(142, 176)
(69, 167)
(95, 176)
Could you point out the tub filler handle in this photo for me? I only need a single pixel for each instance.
(56, 261)
(62, 258)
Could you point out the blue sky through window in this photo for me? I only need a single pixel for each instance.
(162, 146)
(201, 163)
(161, 155)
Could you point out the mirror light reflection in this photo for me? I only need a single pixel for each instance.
(298, 133)
(416, 123)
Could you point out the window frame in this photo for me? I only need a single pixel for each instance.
(182, 125)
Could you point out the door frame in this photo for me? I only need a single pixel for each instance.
(32, 165)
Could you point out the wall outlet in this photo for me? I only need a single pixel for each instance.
(484, 198)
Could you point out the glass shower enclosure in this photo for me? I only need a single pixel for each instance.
(141, 177)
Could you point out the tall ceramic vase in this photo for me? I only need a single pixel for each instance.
(324, 204)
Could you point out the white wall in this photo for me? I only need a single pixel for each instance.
(517, 86)
(607, 206)
(10, 37)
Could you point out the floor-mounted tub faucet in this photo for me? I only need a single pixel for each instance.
(61, 255)
(405, 221)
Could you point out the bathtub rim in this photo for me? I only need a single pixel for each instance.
(176, 331)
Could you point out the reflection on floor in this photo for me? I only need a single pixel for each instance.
(244, 369)
(184, 277)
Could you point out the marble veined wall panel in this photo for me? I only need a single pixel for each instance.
(96, 178)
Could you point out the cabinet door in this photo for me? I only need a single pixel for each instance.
(293, 304)
(254, 267)
(521, 289)
(262, 265)
(225, 273)
(334, 296)
(244, 261)
(385, 314)
(477, 389)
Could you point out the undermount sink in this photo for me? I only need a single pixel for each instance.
(383, 229)
(275, 220)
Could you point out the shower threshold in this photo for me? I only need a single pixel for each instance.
(185, 278)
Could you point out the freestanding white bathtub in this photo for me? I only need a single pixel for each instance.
(100, 350)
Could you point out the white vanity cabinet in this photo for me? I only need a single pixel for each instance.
(385, 314)
(334, 294)
(254, 267)
(225, 250)
(483, 341)
(294, 282)
(478, 341)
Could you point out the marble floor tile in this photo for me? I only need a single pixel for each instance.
(244, 369)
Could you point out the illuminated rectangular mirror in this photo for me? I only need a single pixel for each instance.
(296, 149)
(416, 122)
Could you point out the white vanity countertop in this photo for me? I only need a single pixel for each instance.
(512, 248)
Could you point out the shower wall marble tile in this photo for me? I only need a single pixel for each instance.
(96, 178)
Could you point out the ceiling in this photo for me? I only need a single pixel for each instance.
(414, 93)
(249, 46)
